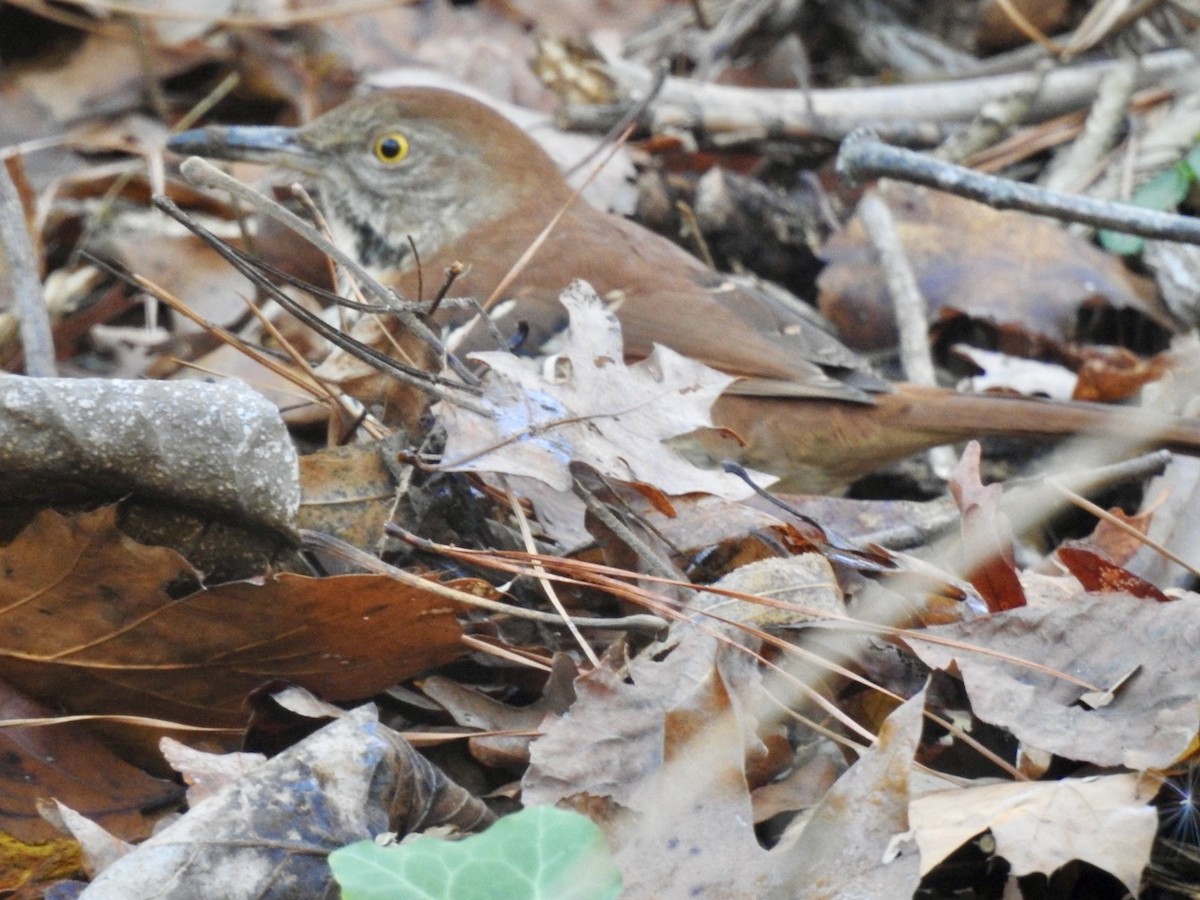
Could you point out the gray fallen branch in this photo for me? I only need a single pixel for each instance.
(862, 156)
(920, 110)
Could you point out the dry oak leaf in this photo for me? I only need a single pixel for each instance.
(1099, 639)
(848, 848)
(986, 535)
(668, 744)
(93, 622)
(601, 412)
(1104, 820)
(672, 740)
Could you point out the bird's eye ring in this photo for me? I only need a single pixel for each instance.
(391, 148)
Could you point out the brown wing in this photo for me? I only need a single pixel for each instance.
(661, 294)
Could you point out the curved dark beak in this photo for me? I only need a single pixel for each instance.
(264, 144)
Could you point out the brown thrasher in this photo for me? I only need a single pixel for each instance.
(446, 173)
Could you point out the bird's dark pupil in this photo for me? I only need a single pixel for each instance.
(390, 147)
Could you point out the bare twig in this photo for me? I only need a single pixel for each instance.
(430, 383)
(1071, 167)
(103, 210)
(547, 585)
(317, 541)
(277, 19)
(921, 111)
(862, 156)
(911, 310)
(205, 174)
(996, 119)
(608, 517)
(631, 117)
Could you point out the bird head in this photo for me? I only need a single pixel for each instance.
(419, 164)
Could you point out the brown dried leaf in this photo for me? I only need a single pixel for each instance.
(1114, 374)
(670, 748)
(1118, 544)
(347, 492)
(843, 850)
(986, 535)
(477, 710)
(1097, 574)
(675, 746)
(963, 256)
(997, 30)
(90, 624)
(63, 762)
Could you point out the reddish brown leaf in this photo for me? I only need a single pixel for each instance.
(1098, 575)
(985, 535)
(1117, 544)
(65, 762)
(89, 624)
(1116, 375)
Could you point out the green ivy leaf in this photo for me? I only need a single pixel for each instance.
(540, 853)
(1165, 191)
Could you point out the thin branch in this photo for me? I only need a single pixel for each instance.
(430, 383)
(862, 156)
(204, 174)
(328, 544)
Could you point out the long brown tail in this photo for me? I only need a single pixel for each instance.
(820, 445)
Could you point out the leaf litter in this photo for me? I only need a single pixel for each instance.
(902, 744)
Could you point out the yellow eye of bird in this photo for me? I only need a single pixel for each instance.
(391, 147)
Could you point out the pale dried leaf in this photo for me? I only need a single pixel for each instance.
(100, 847)
(606, 414)
(1098, 638)
(207, 773)
(1040, 826)
(671, 748)
(843, 851)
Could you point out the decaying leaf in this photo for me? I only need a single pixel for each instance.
(1098, 574)
(477, 710)
(90, 622)
(670, 749)
(267, 834)
(1039, 826)
(62, 761)
(845, 848)
(1097, 639)
(986, 535)
(347, 492)
(673, 747)
(1004, 267)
